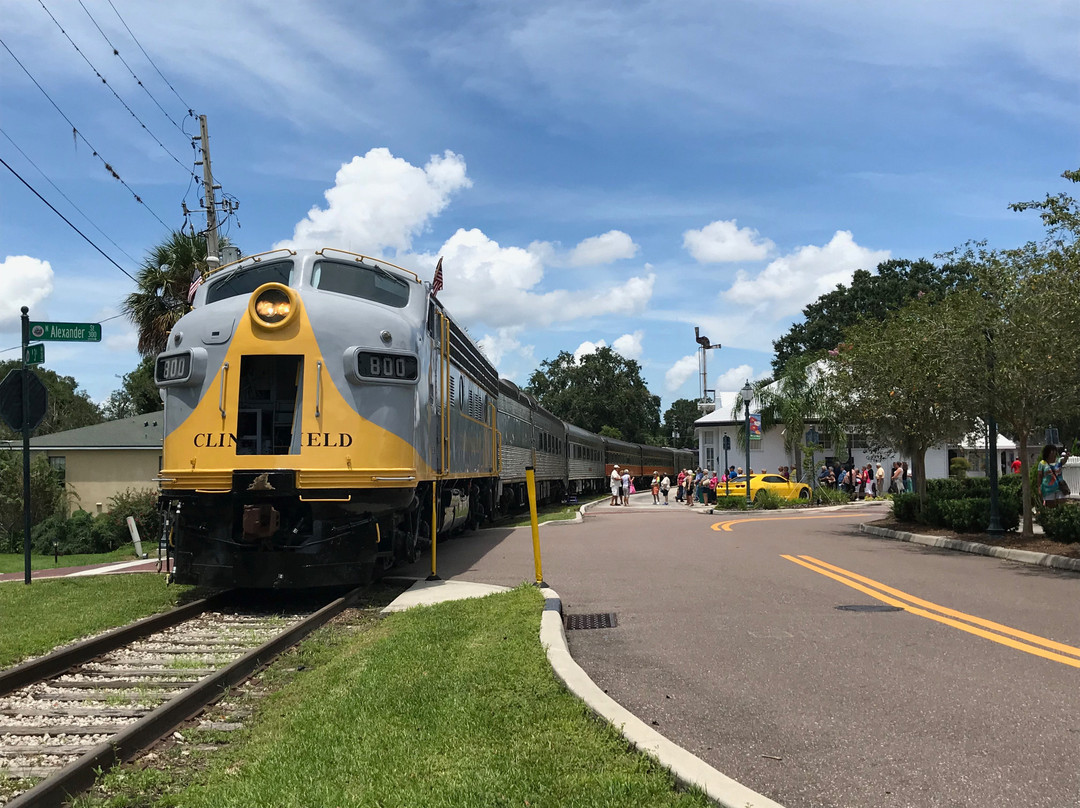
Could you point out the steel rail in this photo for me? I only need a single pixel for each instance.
(57, 662)
(80, 774)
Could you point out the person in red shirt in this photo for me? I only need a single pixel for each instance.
(680, 480)
(1016, 464)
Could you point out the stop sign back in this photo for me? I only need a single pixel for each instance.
(11, 405)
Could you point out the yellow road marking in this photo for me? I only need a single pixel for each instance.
(979, 621)
(913, 609)
(726, 526)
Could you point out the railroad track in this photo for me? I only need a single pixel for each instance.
(99, 702)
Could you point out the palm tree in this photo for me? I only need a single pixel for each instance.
(799, 394)
(162, 295)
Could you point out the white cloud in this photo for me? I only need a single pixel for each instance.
(24, 281)
(726, 241)
(380, 201)
(629, 346)
(678, 373)
(497, 286)
(733, 379)
(127, 340)
(604, 249)
(588, 348)
(791, 281)
(504, 341)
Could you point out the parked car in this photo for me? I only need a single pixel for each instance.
(774, 483)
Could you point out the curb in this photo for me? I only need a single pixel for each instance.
(1008, 553)
(688, 770)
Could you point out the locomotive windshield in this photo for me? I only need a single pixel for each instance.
(368, 282)
(247, 280)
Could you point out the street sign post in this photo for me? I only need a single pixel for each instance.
(66, 332)
(35, 354)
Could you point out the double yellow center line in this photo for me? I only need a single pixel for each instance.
(987, 629)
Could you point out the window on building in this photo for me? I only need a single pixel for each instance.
(59, 465)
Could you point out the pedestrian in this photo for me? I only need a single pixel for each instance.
(655, 488)
(909, 480)
(1016, 465)
(689, 494)
(1052, 487)
(897, 486)
(627, 482)
(868, 481)
(680, 480)
(616, 484)
(879, 481)
(714, 481)
(665, 486)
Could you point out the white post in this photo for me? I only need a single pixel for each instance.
(134, 531)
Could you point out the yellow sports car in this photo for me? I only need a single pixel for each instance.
(773, 483)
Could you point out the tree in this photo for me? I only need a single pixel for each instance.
(69, 407)
(869, 296)
(679, 418)
(1024, 313)
(163, 282)
(603, 389)
(907, 382)
(801, 393)
(46, 496)
(138, 393)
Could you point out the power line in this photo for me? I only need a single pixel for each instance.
(59, 191)
(65, 218)
(76, 133)
(97, 73)
(138, 81)
(191, 112)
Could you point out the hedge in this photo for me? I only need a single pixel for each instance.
(1061, 523)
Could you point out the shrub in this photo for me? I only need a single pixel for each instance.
(731, 503)
(1061, 523)
(905, 507)
(831, 496)
(66, 536)
(973, 515)
(767, 501)
(958, 467)
(139, 503)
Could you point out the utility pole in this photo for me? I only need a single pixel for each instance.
(212, 253)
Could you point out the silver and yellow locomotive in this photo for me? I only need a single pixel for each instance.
(318, 404)
(324, 416)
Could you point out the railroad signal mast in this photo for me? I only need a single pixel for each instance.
(707, 403)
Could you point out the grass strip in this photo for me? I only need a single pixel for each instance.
(544, 513)
(450, 705)
(36, 619)
(14, 562)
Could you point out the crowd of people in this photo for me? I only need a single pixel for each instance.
(866, 482)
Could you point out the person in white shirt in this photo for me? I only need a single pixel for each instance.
(616, 484)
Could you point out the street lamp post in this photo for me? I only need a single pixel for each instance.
(727, 477)
(812, 438)
(747, 394)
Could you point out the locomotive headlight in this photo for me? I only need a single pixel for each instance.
(272, 305)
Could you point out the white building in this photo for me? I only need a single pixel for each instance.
(768, 453)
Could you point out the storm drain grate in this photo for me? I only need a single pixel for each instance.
(869, 607)
(577, 622)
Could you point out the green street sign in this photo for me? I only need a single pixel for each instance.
(35, 354)
(66, 332)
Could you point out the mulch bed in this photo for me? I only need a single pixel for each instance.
(1038, 544)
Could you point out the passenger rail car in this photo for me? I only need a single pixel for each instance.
(324, 416)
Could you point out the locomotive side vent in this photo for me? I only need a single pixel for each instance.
(578, 622)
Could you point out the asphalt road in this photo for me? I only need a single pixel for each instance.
(731, 643)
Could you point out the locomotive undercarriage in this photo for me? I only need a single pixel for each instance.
(266, 534)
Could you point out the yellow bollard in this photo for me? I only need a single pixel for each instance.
(434, 529)
(530, 482)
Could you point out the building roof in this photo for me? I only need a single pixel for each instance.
(137, 432)
(725, 400)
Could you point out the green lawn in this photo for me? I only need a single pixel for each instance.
(448, 706)
(13, 562)
(35, 619)
(544, 513)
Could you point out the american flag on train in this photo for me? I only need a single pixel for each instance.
(436, 282)
(196, 282)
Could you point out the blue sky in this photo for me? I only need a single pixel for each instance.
(593, 173)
